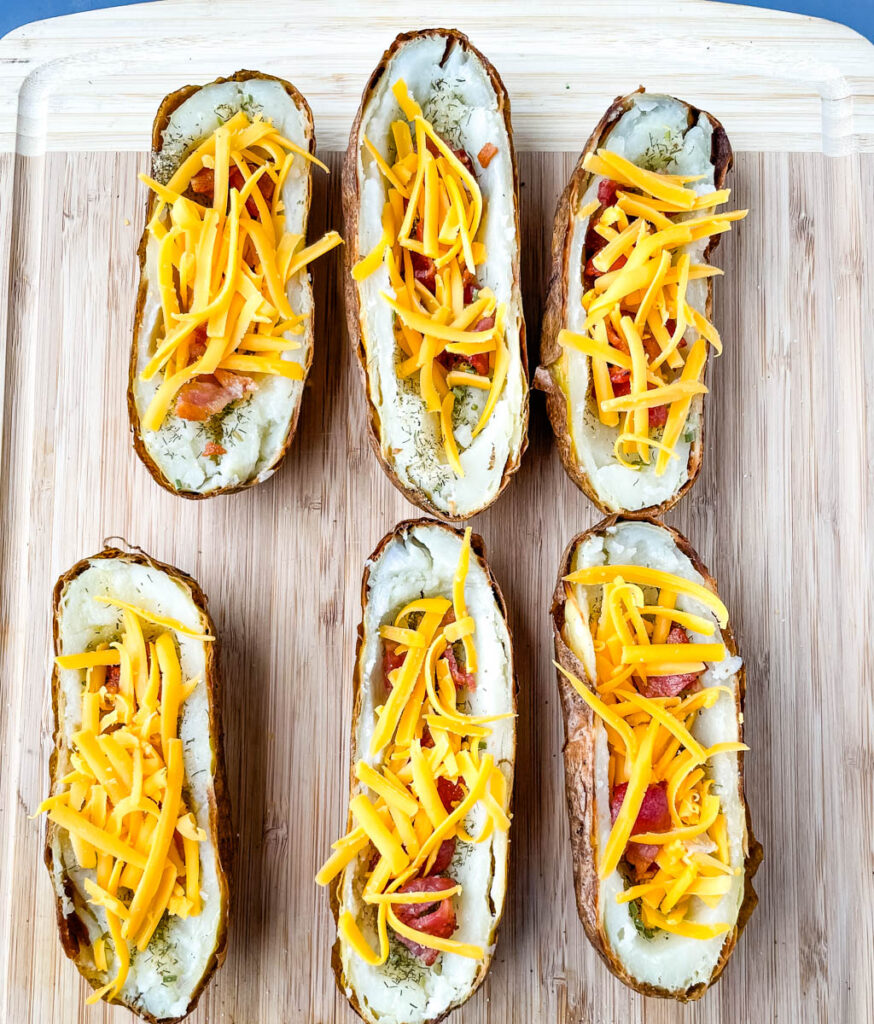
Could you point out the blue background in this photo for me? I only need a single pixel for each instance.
(858, 14)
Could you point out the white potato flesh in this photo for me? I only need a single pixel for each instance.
(671, 962)
(422, 561)
(655, 134)
(252, 430)
(461, 103)
(164, 976)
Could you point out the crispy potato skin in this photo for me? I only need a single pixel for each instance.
(71, 930)
(555, 316)
(478, 550)
(168, 105)
(351, 199)
(579, 766)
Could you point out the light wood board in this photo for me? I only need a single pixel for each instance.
(780, 512)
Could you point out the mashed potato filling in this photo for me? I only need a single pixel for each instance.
(636, 337)
(225, 340)
(131, 843)
(433, 749)
(671, 836)
(449, 400)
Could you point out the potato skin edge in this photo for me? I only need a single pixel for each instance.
(221, 824)
(578, 754)
(555, 313)
(166, 108)
(478, 550)
(351, 207)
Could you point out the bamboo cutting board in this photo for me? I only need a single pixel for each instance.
(780, 512)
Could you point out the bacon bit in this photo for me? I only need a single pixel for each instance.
(424, 268)
(593, 272)
(211, 448)
(479, 362)
(460, 676)
(594, 242)
(615, 338)
(436, 918)
(461, 154)
(203, 183)
(113, 676)
(470, 285)
(265, 187)
(486, 154)
(197, 342)
(390, 661)
(465, 159)
(427, 738)
(653, 816)
(670, 686)
(621, 381)
(450, 793)
(445, 853)
(208, 394)
(658, 416)
(607, 190)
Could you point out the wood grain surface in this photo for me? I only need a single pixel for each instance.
(779, 514)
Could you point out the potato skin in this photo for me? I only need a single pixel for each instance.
(478, 550)
(555, 315)
(579, 766)
(351, 207)
(72, 933)
(168, 105)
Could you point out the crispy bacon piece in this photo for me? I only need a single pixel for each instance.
(461, 677)
(592, 271)
(658, 416)
(197, 342)
(111, 680)
(424, 268)
(670, 686)
(486, 154)
(450, 793)
(461, 154)
(390, 661)
(479, 362)
(208, 394)
(203, 183)
(607, 190)
(470, 285)
(445, 853)
(653, 816)
(436, 918)
(211, 448)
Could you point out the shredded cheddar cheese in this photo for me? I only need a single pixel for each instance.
(424, 740)
(122, 806)
(224, 262)
(647, 698)
(646, 345)
(449, 331)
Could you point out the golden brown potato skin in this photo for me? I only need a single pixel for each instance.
(579, 769)
(72, 932)
(351, 209)
(478, 551)
(168, 105)
(555, 315)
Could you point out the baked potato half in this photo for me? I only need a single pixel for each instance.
(627, 326)
(433, 299)
(223, 331)
(418, 883)
(652, 693)
(138, 840)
